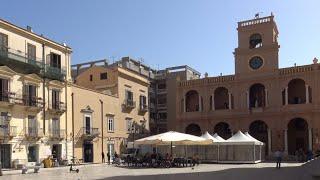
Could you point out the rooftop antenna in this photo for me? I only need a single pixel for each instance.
(112, 57)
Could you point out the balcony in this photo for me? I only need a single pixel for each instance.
(57, 108)
(34, 104)
(7, 131)
(6, 98)
(143, 108)
(57, 134)
(32, 133)
(130, 104)
(19, 61)
(54, 73)
(88, 134)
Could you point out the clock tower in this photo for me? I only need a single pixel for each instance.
(258, 47)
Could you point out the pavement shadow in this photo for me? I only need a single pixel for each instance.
(304, 172)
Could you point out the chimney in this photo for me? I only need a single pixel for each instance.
(29, 28)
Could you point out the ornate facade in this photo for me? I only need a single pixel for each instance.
(279, 106)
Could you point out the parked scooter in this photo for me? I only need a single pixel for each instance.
(72, 168)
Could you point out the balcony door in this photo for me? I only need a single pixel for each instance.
(3, 44)
(5, 155)
(55, 126)
(32, 125)
(55, 99)
(31, 53)
(30, 95)
(55, 60)
(87, 124)
(4, 90)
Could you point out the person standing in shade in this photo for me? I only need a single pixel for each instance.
(108, 156)
(103, 160)
(278, 156)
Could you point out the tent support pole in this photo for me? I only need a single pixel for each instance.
(171, 148)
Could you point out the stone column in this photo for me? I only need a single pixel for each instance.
(230, 101)
(200, 104)
(266, 98)
(307, 94)
(310, 138)
(212, 102)
(286, 141)
(248, 100)
(269, 142)
(286, 96)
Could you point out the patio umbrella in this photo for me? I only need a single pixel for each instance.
(173, 138)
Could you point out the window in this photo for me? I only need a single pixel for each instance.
(129, 95)
(55, 99)
(4, 90)
(3, 42)
(91, 77)
(30, 95)
(103, 76)
(31, 52)
(255, 41)
(55, 126)
(55, 60)
(110, 124)
(32, 125)
(129, 125)
(143, 102)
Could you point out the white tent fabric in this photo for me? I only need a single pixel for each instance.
(254, 139)
(217, 137)
(239, 138)
(174, 138)
(206, 135)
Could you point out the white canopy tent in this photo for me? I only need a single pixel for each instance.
(173, 138)
(240, 148)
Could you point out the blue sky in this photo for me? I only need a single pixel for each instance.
(199, 33)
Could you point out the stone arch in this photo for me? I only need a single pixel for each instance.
(297, 135)
(259, 130)
(193, 129)
(223, 130)
(296, 91)
(221, 98)
(257, 95)
(192, 101)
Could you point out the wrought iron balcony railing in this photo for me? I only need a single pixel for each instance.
(34, 132)
(57, 133)
(16, 58)
(129, 103)
(57, 106)
(6, 96)
(8, 131)
(143, 107)
(54, 72)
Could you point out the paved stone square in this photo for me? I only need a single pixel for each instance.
(204, 171)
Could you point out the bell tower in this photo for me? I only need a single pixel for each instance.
(257, 51)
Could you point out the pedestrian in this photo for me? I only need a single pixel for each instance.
(108, 156)
(278, 156)
(102, 155)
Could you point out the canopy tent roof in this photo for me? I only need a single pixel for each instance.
(206, 135)
(217, 137)
(175, 138)
(240, 138)
(252, 138)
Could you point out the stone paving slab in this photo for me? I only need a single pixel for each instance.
(103, 171)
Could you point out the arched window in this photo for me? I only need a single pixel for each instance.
(257, 96)
(255, 41)
(223, 130)
(221, 98)
(192, 101)
(193, 129)
(297, 92)
(297, 135)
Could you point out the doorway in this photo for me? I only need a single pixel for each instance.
(88, 152)
(56, 151)
(5, 151)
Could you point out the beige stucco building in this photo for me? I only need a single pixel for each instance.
(279, 106)
(110, 108)
(33, 75)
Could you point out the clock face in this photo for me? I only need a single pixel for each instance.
(256, 62)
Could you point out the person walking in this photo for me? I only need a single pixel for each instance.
(103, 160)
(278, 156)
(108, 156)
